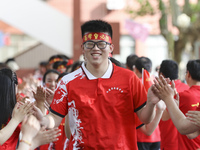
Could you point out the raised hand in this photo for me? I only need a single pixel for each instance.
(21, 110)
(151, 97)
(162, 89)
(39, 95)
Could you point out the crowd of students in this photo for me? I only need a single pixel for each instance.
(99, 103)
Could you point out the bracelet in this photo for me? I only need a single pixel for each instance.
(26, 142)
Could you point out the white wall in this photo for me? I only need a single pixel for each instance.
(41, 21)
(156, 49)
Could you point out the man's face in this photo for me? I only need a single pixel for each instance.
(96, 55)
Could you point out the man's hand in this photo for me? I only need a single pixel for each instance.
(151, 97)
(162, 89)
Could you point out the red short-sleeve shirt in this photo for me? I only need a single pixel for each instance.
(101, 110)
(189, 100)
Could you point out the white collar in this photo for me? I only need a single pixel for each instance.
(105, 76)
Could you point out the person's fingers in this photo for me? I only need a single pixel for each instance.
(168, 80)
(156, 84)
(162, 81)
(192, 112)
(17, 105)
(173, 84)
(46, 105)
(194, 121)
(26, 106)
(34, 93)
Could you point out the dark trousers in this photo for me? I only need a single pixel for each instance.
(148, 146)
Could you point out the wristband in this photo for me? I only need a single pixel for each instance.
(26, 142)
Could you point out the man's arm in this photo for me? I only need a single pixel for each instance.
(165, 92)
(50, 121)
(166, 115)
(147, 113)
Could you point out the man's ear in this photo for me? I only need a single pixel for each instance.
(82, 46)
(111, 48)
(188, 74)
(133, 67)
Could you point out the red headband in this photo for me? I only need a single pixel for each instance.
(61, 67)
(97, 36)
(55, 60)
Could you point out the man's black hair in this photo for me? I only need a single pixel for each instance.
(143, 62)
(130, 61)
(169, 68)
(193, 66)
(115, 61)
(96, 26)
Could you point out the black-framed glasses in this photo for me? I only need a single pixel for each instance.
(100, 44)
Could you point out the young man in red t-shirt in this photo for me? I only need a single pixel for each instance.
(168, 132)
(188, 136)
(100, 97)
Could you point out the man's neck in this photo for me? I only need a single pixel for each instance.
(194, 82)
(98, 70)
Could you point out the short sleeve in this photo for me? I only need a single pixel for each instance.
(59, 104)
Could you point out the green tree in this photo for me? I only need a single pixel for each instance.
(180, 15)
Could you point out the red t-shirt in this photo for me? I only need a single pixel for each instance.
(101, 110)
(168, 132)
(11, 143)
(189, 100)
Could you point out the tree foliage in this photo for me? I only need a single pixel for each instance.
(170, 14)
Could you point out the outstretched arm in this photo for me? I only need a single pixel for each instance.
(147, 113)
(50, 121)
(166, 92)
